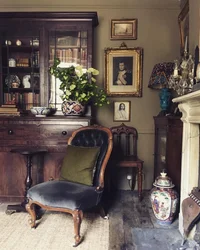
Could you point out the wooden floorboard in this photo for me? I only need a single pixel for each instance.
(125, 213)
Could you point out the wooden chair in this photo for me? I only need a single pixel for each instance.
(125, 151)
(70, 196)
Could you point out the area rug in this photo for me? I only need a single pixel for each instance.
(54, 232)
(156, 239)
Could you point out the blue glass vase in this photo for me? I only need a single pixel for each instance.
(165, 99)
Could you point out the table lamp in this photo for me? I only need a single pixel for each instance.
(159, 80)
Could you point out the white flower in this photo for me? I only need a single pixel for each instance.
(95, 72)
(79, 71)
(93, 79)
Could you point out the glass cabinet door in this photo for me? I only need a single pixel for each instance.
(71, 48)
(20, 71)
(161, 151)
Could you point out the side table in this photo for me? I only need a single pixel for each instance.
(29, 153)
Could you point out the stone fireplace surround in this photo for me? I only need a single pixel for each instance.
(189, 105)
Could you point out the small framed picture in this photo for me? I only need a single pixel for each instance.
(122, 110)
(123, 29)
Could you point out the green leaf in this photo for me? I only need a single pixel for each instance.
(73, 86)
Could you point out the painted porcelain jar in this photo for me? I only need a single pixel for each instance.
(164, 200)
(72, 108)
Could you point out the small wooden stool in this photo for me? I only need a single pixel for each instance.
(29, 153)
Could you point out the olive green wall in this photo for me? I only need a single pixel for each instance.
(158, 35)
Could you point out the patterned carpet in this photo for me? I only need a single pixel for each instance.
(54, 232)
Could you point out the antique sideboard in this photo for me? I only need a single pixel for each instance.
(49, 133)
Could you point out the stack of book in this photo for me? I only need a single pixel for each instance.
(9, 109)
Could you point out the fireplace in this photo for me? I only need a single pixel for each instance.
(189, 105)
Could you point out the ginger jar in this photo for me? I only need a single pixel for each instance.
(164, 200)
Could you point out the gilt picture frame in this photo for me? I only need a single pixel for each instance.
(183, 21)
(123, 29)
(122, 111)
(123, 71)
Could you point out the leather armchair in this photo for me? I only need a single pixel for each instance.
(71, 197)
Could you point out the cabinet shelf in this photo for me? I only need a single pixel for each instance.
(22, 90)
(22, 48)
(64, 35)
(68, 47)
(20, 69)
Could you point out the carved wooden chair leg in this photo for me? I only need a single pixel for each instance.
(30, 208)
(77, 217)
(140, 182)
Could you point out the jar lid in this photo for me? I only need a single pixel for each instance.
(163, 181)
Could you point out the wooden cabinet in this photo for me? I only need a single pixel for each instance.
(168, 147)
(29, 42)
(50, 133)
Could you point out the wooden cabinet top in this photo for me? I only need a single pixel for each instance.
(167, 120)
(49, 119)
(52, 16)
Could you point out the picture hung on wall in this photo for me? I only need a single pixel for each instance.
(123, 71)
(122, 110)
(122, 29)
(183, 21)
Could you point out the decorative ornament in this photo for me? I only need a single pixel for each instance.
(164, 200)
(18, 43)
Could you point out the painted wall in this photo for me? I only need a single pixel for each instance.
(158, 35)
(194, 24)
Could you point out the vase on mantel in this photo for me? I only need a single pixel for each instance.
(164, 200)
(72, 108)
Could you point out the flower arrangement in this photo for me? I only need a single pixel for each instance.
(79, 85)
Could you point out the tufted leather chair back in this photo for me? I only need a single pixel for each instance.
(95, 137)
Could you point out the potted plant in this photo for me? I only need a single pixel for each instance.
(79, 88)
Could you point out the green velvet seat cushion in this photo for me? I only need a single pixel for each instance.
(79, 164)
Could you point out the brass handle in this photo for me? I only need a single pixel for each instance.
(64, 132)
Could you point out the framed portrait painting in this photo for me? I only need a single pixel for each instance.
(122, 110)
(122, 29)
(183, 21)
(123, 71)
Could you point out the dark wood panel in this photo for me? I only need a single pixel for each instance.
(29, 133)
(168, 147)
(13, 172)
(18, 131)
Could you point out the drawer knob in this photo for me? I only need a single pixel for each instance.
(10, 132)
(64, 132)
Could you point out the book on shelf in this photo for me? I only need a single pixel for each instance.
(11, 109)
(25, 100)
(8, 111)
(9, 114)
(8, 106)
(71, 55)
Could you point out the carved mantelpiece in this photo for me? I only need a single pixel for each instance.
(189, 105)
